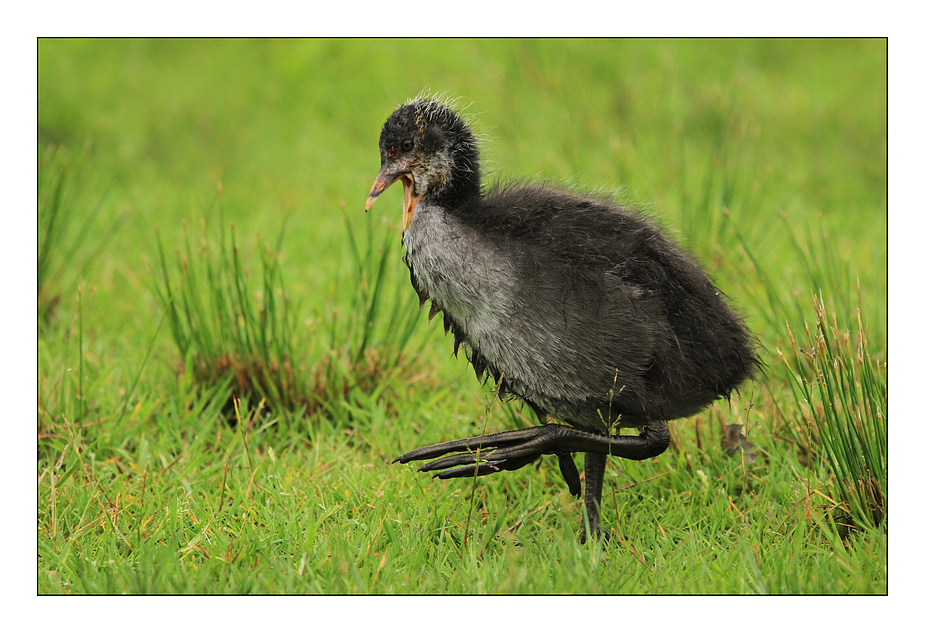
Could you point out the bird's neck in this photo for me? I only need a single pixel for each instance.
(464, 185)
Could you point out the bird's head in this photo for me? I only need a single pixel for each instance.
(432, 151)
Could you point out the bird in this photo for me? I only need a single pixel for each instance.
(578, 306)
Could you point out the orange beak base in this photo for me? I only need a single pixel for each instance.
(409, 202)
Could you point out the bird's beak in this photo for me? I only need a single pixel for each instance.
(386, 179)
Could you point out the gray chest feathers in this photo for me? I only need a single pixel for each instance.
(469, 279)
(551, 334)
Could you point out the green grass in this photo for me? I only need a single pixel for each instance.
(64, 251)
(199, 216)
(842, 392)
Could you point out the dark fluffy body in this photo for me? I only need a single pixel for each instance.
(650, 336)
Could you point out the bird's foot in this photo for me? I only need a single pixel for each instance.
(510, 450)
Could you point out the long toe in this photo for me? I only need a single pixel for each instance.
(486, 467)
(490, 441)
(522, 453)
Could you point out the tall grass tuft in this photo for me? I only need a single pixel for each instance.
(251, 336)
(843, 396)
(229, 329)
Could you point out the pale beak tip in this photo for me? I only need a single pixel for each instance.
(369, 203)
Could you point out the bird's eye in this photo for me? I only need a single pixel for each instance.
(407, 145)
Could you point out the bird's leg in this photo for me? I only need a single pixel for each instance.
(511, 450)
(570, 474)
(595, 466)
